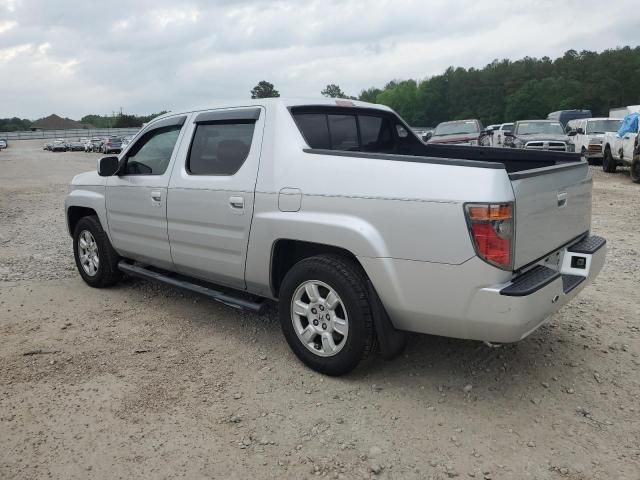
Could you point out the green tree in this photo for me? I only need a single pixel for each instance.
(402, 97)
(264, 89)
(333, 91)
(14, 124)
(370, 95)
(124, 120)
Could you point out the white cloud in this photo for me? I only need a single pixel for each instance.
(151, 55)
(165, 17)
(6, 25)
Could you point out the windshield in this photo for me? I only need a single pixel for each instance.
(533, 128)
(507, 127)
(602, 126)
(456, 128)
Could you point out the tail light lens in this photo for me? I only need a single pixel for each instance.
(491, 228)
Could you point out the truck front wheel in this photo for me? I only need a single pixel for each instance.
(96, 259)
(325, 313)
(609, 163)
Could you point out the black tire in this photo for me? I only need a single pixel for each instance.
(635, 169)
(609, 163)
(107, 272)
(349, 282)
(583, 154)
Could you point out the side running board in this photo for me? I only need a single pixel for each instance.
(186, 284)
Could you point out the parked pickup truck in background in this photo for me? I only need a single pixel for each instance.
(458, 132)
(538, 135)
(588, 135)
(619, 146)
(339, 212)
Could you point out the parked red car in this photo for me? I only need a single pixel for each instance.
(461, 132)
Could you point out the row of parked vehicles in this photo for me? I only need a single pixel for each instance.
(598, 140)
(106, 145)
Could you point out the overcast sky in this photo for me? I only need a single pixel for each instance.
(74, 57)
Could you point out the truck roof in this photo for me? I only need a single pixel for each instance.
(282, 101)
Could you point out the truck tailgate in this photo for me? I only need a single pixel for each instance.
(552, 207)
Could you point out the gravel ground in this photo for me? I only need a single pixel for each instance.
(143, 381)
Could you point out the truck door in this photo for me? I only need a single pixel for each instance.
(627, 146)
(136, 198)
(211, 194)
(581, 139)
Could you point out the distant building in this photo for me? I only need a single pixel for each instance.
(621, 112)
(55, 122)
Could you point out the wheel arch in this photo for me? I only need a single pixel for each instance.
(286, 252)
(83, 201)
(75, 213)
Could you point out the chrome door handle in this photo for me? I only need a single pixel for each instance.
(236, 202)
(156, 196)
(562, 199)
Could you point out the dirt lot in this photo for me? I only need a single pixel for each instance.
(142, 381)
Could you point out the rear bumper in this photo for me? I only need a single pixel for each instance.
(508, 313)
(455, 301)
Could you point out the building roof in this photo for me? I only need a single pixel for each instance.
(55, 122)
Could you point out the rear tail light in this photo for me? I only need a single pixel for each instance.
(491, 228)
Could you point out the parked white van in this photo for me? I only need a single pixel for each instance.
(588, 134)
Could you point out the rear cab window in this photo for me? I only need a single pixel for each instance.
(352, 129)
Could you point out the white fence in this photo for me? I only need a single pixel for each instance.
(68, 134)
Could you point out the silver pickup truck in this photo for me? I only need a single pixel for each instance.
(339, 212)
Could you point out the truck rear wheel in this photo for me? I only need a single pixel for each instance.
(96, 260)
(325, 313)
(609, 163)
(635, 169)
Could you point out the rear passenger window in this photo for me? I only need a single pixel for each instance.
(344, 132)
(220, 148)
(315, 129)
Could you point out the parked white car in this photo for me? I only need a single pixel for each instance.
(588, 135)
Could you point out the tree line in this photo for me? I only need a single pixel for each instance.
(506, 90)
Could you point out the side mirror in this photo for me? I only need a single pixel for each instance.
(507, 133)
(108, 166)
(572, 133)
(580, 131)
(427, 136)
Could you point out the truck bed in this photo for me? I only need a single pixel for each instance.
(518, 163)
(552, 190)
(514, 159)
